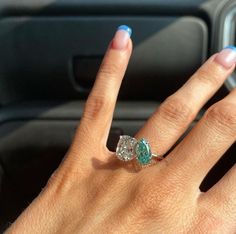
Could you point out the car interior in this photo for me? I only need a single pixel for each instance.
(50, 53)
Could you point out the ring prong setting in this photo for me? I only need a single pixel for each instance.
(129, 148)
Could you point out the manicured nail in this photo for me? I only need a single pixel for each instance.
(227, 57)
(121, 38)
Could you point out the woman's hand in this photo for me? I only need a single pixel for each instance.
(93, 192)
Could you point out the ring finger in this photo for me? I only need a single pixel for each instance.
(173, 117)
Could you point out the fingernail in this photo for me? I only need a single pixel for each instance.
(121, 38)
(227, 57)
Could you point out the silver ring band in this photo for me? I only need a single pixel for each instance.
(157, 156)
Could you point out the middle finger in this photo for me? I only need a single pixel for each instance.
(207, 142)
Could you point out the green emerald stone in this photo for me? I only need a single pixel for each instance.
(143, 152)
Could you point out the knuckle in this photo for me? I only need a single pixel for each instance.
(95, 106)
(150, 200)
(227, 209)
(208, 76)
(176, 111)
(223, 116)
(208, 220)
(145, 202)
(109, 69)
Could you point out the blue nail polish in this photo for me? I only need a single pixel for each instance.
(231, 47)
(126, 28)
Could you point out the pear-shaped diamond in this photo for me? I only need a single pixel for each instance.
(143, 152)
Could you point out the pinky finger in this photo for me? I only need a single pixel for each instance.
(222, 196)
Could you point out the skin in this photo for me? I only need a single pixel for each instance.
(93, 192)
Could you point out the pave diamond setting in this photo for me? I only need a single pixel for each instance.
(125, 150)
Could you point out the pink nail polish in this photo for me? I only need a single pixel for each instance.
(227, 57)
(121, 38)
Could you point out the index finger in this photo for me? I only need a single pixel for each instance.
(99, 108)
